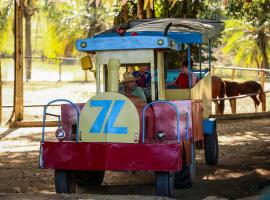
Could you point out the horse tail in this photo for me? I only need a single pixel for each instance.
(222, 95)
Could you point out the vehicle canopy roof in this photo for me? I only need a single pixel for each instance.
(168, 33)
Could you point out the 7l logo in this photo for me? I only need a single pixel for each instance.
(100, 120)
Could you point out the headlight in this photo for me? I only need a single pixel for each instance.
(161, 135)
(60, 134)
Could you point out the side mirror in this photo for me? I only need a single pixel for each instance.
(86, 63)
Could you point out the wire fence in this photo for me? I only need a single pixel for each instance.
(48, 69)
(66, 72)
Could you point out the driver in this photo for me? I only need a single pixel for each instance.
(130, 86)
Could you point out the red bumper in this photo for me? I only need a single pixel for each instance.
(111, 156)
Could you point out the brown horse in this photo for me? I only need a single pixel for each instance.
(218, 91)
(248, 87)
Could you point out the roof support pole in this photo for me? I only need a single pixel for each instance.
(209, 54)
(189, 68)
(153, 89)
(98, 78)
(200, 59)
(161, 78)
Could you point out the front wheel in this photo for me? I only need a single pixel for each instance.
(164, 184)
(64, 181)
(211, 148)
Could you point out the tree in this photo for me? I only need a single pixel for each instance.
(257, 14)
(29, 8)
(6, 21)
(240, 38)
(68, 21)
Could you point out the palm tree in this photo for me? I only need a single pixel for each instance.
(68, 21)
(248, 43)
(255, 14)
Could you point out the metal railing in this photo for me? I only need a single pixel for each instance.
(59, 117)
(178, 114)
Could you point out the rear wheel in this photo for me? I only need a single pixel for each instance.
(64, 181)
(186, 177)
(164, 184)
(211, 148)
(88, 178)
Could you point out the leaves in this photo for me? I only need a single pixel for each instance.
(254, 21)
(72, 20)
(240, 38)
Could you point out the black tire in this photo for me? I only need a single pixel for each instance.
(88, 178)
(186, 177)
(192, 166)
(164, 184)
(64, 181)
(211, 148)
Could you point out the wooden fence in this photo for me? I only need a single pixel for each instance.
(262, 76)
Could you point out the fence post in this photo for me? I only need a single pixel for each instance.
(60, 70)
(233, 74)
(262, 80)
(0, 92)
(85, 76)
(233, 105)
(213, 70)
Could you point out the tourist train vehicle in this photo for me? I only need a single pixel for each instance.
(114, 131)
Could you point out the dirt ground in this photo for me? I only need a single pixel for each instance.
(243, 169)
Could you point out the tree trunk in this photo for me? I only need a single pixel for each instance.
(261, 41)
(125, 13)
(149, 12)
(140, 11)
(17, 113)
(166, 8)
(28, 46)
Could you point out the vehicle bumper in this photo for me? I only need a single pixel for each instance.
(111, 156)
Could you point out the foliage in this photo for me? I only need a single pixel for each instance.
(68, 21)
(6, 19)
(240, 39)
(252, 29)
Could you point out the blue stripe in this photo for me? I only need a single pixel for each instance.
(109, 127)
(97, 125)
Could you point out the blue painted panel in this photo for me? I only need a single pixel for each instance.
(187, 38)
(124, 43)
(209, 126)
(179, 37)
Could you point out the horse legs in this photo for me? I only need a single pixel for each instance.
(233, 105)
(256, 102)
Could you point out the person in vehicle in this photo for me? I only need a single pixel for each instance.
(182, 79)
(130, 86)
(143, 77)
